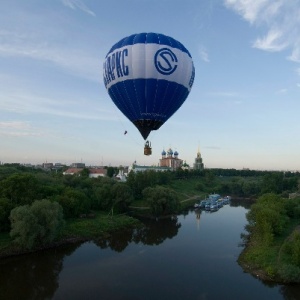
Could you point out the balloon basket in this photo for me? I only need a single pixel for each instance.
(147, 149)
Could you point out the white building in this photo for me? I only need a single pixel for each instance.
(93, 172)
(136, 168)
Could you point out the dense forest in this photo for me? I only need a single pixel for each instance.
(35, 204)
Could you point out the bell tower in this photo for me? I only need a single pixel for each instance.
(198, 164)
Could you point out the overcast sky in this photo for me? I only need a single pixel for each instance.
(243, 110)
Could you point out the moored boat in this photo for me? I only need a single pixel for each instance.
(212, 199)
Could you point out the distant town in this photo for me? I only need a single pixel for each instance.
(169, 161)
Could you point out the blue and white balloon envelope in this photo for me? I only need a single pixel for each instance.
(148, 76)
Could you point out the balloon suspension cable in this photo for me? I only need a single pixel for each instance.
(125, 131)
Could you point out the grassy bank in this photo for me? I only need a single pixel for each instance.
(270, 263)
(83, 229)
(76, 230)
(272, 250)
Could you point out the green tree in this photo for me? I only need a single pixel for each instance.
(290, 184)
(291, 248)
(85, 173)
(250, 189)
(236, 187)
(164, 178)
(199, 187)
(20, 189)
(122, 196)
(5, 208)
(141, 180)
(295, 248)
(292, 207)
(272, 183)
(111, 171)
(268, 216)
(209, 177)
(161, 200)
(74, 202)
(103, 198)
(36, 225)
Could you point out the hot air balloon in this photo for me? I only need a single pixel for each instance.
(148, 76)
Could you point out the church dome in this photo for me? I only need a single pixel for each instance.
(170, 152)
(163, 152)
(176, 153)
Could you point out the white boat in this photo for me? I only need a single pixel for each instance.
(226, 199)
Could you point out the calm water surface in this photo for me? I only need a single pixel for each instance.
(192, 256)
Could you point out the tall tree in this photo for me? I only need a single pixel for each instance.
(36, 225)
(161, 200)
(20, 189)
(122, 196)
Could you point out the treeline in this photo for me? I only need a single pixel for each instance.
(273, 239)
(75, 194)
(80, 194)
(271, 182)
(180, 173)
(22, 189)
(241, 183)
(34, 205)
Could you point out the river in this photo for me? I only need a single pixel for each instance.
(191, 256)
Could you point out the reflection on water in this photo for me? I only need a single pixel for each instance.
(192, 256)
(33, 276)
(153, 233)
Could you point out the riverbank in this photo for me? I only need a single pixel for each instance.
(273, 263)
(75, 231)
(84, 229)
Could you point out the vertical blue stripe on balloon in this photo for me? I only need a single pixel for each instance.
(167, 101)
(148, 38)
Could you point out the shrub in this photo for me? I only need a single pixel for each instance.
(291, 249)
(74, 202)
(289, 273)
(36, 225)
(162, 201)
(5, 208)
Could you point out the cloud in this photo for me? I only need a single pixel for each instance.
(278, 18)
(19, 134)
(74, 4)
(14, 125)
(282, 91)
(224, 94)
(274, 41)
(25, 102)
(212, 147)
(203, 54)
(18, 129)
(248, 9)
(75, 61)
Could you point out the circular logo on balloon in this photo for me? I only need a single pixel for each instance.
(165, 61)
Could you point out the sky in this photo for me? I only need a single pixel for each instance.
(242, 112)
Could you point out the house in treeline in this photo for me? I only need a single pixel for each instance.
(93, 172)
(121, 176)
(138, 168)
(169, 161)
(97, 172)
(72, 171)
